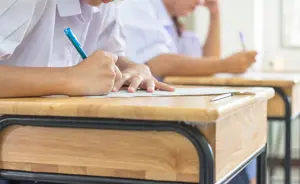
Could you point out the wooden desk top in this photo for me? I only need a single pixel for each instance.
(184, 108)
(274, 79)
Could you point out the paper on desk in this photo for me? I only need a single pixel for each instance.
(178, 92)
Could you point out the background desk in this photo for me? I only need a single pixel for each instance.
(84, 140)
(287, 88)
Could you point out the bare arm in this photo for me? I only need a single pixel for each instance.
(212, 46)
(27, 81)
(179, 65)
(34, 81)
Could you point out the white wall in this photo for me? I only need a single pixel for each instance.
(259, 20)
(272, 46)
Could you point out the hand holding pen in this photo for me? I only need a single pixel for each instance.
(242, 39)
(101, 67)
(95, 75)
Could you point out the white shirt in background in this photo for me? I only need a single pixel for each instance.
(150, 31)
(32, 31)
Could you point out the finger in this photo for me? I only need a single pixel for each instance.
(135, 83)
(118, 79)
(120, 83)
(149, 85)
(253, 59)
(250, 57)
(251, 54)
(249, 60)
(254, 56)
(164, 87)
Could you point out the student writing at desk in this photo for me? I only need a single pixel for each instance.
(37, 59)
(155, 36)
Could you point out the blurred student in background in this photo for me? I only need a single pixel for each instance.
(155, 36)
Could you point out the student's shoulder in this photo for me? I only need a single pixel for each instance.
(21, 7)
(16, 8)
(26, 14)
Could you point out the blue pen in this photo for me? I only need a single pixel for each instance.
(75, 42)
(243, 41)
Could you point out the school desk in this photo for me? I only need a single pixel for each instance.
(284, 106)
(138, 140)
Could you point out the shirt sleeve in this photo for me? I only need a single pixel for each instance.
(145, 37)
(189, 44)
(15, 20)
(111, 38)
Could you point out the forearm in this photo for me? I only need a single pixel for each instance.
(212, 46)
(179, 65)
(29, 81)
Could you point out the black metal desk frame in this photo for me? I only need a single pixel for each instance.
(205, 153)
(287, 119)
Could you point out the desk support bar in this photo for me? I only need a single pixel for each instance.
(205, 153)
(288, 134)
(262, 167)
(287, 118)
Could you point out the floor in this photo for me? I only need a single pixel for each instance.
(278, 149)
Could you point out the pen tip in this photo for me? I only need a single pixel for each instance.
(67, 30)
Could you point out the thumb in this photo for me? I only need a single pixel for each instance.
(251, 55)
(112, 55)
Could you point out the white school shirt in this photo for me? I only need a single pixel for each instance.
(149, 31)
(32, 31)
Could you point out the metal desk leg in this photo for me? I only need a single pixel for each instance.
(261, 167)
(288, 134)
(288, 157)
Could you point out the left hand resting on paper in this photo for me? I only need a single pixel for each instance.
(137, 76)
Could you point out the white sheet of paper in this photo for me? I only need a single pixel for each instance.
(178, 92)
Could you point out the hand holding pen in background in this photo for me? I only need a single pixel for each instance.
(239, 62)
(242, 39)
